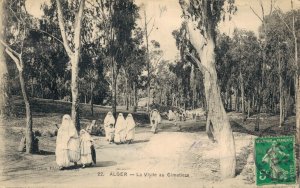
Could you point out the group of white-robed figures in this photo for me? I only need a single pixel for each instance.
(72, 148)
(120, 131)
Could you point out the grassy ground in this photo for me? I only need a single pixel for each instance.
(185, 151)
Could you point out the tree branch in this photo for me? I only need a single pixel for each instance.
(15, 58)
(9, 48)
(262, 10)
(256, 14)
(201, 67)
(151, 30)
(22, 42)
(42, 31)
(285, 23)
(78, 23)
(62, 28)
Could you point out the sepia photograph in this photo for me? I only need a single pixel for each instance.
(150, 93)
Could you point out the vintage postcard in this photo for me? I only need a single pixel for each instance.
(149, 93)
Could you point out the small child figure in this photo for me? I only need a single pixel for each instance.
(110, 133)
(86, 148)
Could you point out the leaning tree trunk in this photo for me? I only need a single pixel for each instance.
(17, 58)
(29, 133)
(216, 116)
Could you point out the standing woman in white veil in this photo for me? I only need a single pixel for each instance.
(120, 129)
(67, 143)
(109, 122)
(130, 128)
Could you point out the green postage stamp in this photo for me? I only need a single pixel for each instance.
(275, 160)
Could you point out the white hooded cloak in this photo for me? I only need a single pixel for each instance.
(155, 119)
(86, 142)
(109, 130)
(130, 128)
(120, 129)
(67, 143)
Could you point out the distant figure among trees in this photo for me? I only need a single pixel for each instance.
(67, 144)
(155, 119)
(171, 115)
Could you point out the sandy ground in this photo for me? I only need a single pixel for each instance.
(152, 160)
(170, 158)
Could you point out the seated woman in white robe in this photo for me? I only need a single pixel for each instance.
(67, 144)
(171, 115)
(130, 128)
(109, 122)
(86, 143)
(120, 129)
(155, 119)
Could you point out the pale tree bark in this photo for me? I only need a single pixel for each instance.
(148, 60)
(242, 92)
(216, 116)
(5, 103)
(292, 30)
(134, 97)
(114, 87)
(147, 35)
(74, 55)
(261, 85)
(17, 58)
(92, 98)
(281, 95)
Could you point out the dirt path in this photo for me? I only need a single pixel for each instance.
(174, 159)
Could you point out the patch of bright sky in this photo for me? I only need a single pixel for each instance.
(166, 16)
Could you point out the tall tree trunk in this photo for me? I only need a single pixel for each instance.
(92, 98)
(134, 97)
(5, 102)
(17, 58)
(114, 88)
(147, 60)
(73, 55)
(32, 88)
(281, 99)
(216, 116)
(249, 107)
(242, 92)
(126, 93)
(75, 96)
(29, 133)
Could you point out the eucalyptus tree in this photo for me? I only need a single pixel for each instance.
(5, 99)
(202, 18)
(280, 55)
(16, 47)
(71, 37)
(134, 66)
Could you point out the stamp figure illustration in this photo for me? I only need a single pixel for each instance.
(275, 160)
